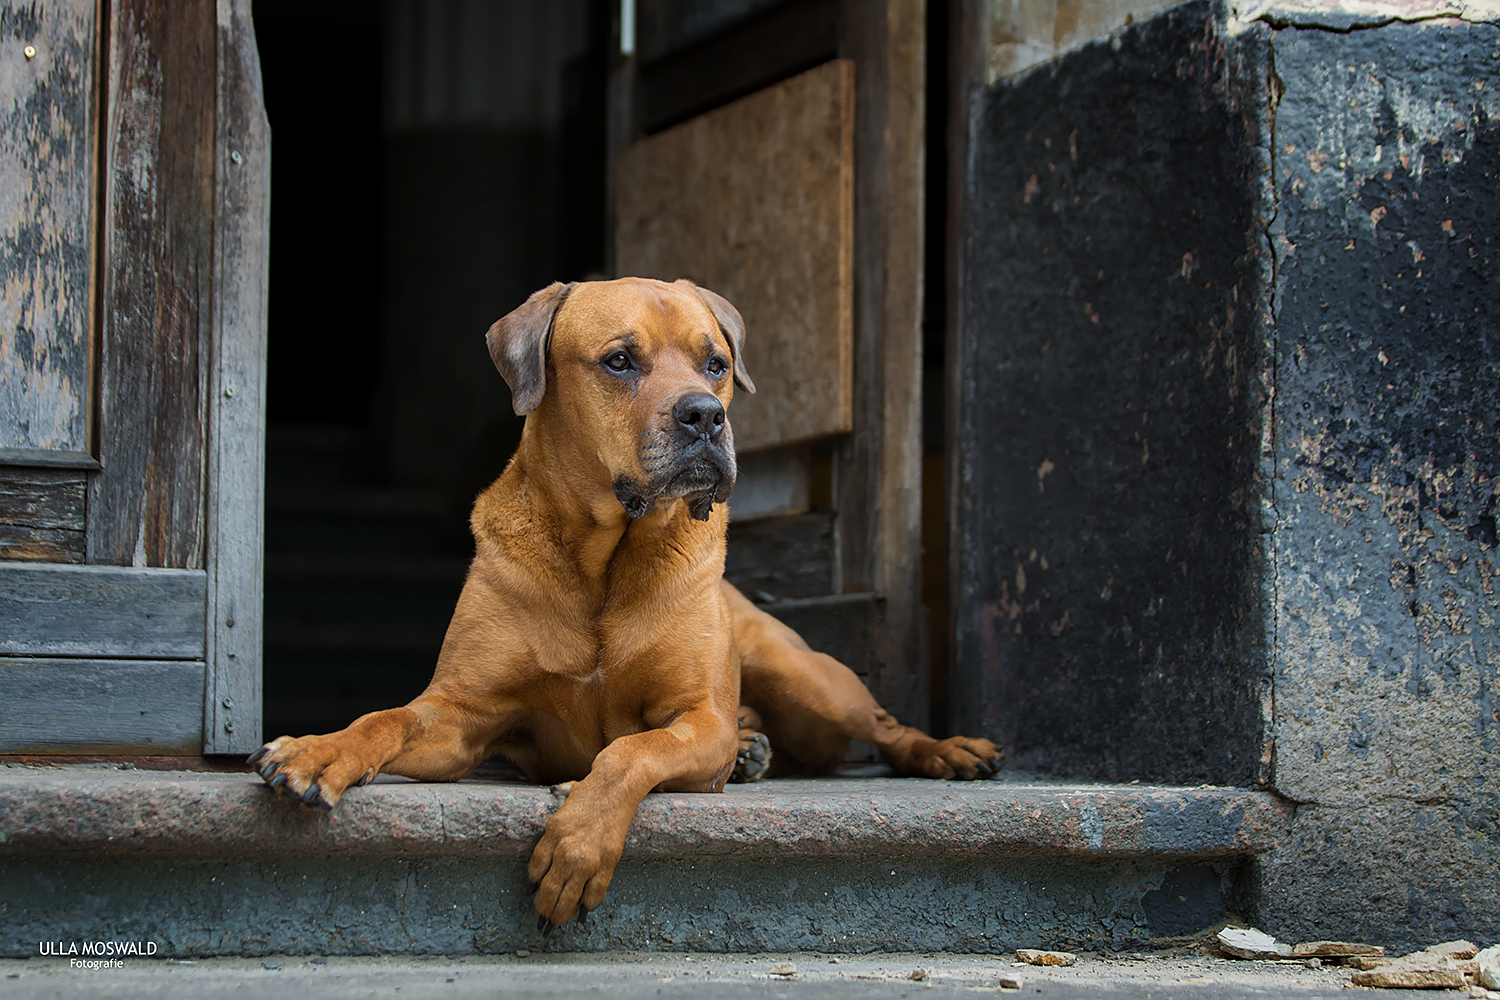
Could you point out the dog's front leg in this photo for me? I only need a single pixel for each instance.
(576, 857)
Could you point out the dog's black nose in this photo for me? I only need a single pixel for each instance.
(700, 415)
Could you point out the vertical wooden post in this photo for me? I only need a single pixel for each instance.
(879, 467)
(967, 54)
(236, 453)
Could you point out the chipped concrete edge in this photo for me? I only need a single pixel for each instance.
(173, 815)
(1353, 15)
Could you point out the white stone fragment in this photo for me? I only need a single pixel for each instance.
(1247, 942)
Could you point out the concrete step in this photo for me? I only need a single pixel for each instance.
(214, 864)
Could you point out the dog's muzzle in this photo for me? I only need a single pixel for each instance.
(693, 458)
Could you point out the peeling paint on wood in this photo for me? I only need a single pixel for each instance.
(47, 139)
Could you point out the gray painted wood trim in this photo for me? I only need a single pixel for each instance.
(43, 458)
(100, 706)
(237, 428)
(48, 609)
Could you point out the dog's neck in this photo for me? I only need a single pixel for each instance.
(559, 498)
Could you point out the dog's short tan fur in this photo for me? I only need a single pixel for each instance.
(595, 640)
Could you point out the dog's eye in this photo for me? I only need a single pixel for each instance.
(717, 367)
(618, 362)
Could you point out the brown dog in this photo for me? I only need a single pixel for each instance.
(595, 640)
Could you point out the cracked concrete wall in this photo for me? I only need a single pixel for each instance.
(1320, 396)
(1387, 417)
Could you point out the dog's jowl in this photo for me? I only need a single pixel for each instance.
(596, 640)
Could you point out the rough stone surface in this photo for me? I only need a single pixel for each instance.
(1031, 956)
(214, 864)
(106, 811)
(1388, 380)
(1387, 651)
(1110, 405)
(1405, 875)
(341, 905)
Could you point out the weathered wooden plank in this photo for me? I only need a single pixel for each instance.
(23, 543)
(101, 611)
(47, 138)
(42, 514)
(100, 706)
(771, 484)
(45, 458)
(880, 464)
(782, 557)
(688, 74)
(755, 200)
(42, 498)
(236, 464)
(148, 505)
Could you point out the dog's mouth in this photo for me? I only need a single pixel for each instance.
(702, 473)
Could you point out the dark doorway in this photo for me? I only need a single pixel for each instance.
(434, 161)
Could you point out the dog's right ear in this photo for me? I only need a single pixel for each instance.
(518, 345)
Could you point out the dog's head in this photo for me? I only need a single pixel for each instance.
(643, 372)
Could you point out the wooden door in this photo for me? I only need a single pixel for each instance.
(134, 183)
(775, 154)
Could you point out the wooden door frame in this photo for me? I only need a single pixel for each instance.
(878, 466)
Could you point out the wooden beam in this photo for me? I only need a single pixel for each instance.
(968, 54)
(100, 706)
(236, 458)
(879, 466)
(42, 514)
(147, 505)
(101, 611)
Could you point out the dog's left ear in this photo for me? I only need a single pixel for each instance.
(518, 345)
(733, 325)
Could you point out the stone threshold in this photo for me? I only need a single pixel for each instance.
(103, 810)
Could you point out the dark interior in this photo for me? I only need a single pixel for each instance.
(434, 164)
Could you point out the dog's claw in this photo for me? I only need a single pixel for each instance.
(270, 769)
(277, 781)
(542, 924)
(257, 755)
(549, 928)
(311, 793)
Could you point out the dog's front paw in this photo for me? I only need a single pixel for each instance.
(312, 769)
(961, 757)
(570, 871)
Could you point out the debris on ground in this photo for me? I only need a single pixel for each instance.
(1336, 949)
(784, 969)
(1247, 942)
(918, 975)
(1442, 966)
(1392, 976)
(1011, 982)
(1033, 956)
(1489, 967)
